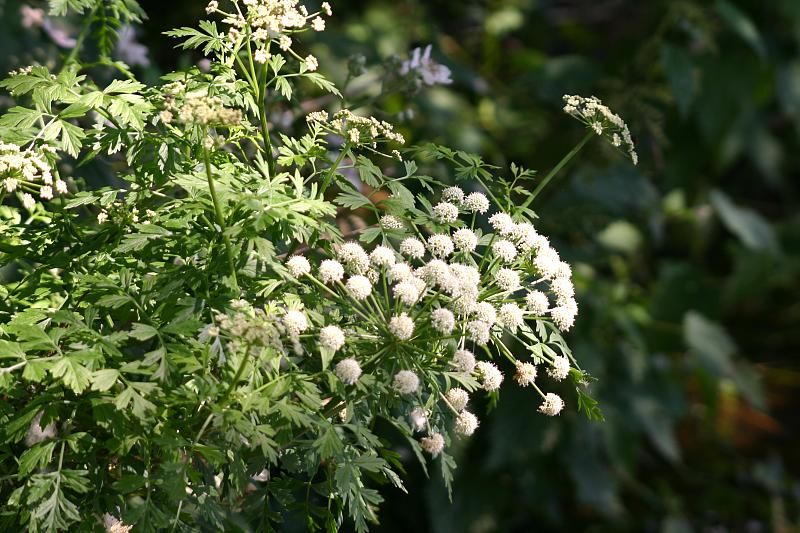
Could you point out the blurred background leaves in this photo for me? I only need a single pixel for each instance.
(687, 266)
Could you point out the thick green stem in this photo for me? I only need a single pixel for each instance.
(220, 219)
(557, 169)
(326, 182)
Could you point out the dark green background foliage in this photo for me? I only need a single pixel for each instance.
(687, 266)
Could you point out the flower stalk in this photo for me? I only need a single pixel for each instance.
(561, 164)
(220, 216)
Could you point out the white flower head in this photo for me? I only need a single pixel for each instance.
(298, 266)
(505, 250)
(526, 236)
(413, 248)
(476, 203)
(547, 262)
(489, 374)
(525, 374)
(537, 302)
(405, 382)
(295, 322)
(261, 56)
(564, 315)
(563, 289)
(331, 337)
(564, 270)
(507, 279)
(29, 202)
(443, 320)
(354, 135)
(359, 287)
(331, 271)
(466, 423)
(433, 444)
(373, 275)
(440, 245)
(465, 240)
(311, 63)
(552, 404)
(465, 301)
(485, 312)
(502, 223)
(418, 418)
(458, 398)
(467, 275)
(560, 369)
(445, 212)
(464, 361)
(354, 257)
(400, 272)
(510, 316)
(382, 256)
(407, 292)
(391, 222)
(479, 331)
(453, 194)
(436, 272)
(402, 326)
(348, 370)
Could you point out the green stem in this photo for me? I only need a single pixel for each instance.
(557, 169)
(326, 182)
(87, 25)
(220, 218)
(262, 112)
(239, 371)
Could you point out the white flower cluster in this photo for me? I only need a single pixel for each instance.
(442, 294)
(357, 129)
(270, 20)
(198, 108)
(248, 327)
(348, 370)
(29, 173)
(591, 111)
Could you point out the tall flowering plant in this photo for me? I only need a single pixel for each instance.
(202, 346)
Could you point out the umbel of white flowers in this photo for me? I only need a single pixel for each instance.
(443, 286)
